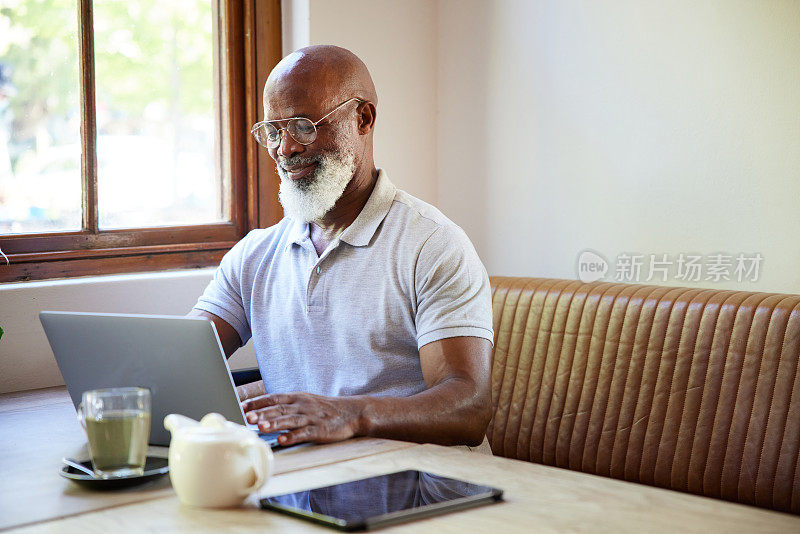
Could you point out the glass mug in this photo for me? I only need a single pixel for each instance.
(117, 424)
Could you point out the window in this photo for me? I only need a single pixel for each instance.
(124, 139)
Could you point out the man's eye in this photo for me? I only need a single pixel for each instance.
(304, 127)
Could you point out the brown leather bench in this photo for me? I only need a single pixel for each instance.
(695, 390)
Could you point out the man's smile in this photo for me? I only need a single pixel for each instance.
(297, 172)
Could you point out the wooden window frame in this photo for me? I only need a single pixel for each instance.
(251, 43)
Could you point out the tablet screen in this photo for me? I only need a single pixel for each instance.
(382, 500)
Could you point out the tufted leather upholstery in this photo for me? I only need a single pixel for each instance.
(695, 390)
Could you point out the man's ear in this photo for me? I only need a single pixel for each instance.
(366, 117)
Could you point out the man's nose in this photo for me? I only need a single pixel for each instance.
(288, 146)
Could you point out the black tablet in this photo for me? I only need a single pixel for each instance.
(383, 500)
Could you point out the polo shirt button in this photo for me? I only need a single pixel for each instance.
(317, 269)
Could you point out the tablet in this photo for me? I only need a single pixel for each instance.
(383, 500)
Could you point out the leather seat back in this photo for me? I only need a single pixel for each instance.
(695, 390)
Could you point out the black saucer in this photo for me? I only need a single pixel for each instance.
(154, 467)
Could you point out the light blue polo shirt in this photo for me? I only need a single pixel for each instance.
(351, 321)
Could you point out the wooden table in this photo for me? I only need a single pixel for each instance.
(538, 498)
(38, 428)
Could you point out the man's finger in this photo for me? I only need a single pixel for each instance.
(306, 433)
(285, 422)
(271, 412)
(267, 400)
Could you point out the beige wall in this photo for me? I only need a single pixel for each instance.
(464, 167)
(622, 126)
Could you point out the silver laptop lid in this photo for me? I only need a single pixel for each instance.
(179, 358)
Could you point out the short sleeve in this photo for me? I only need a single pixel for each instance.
(223, 295)
(452, 289)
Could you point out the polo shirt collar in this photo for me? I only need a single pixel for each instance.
(361, 230)
(298, 232)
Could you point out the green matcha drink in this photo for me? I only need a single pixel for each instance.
(118, 442)
(117, 424)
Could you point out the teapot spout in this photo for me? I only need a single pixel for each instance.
(174, 421)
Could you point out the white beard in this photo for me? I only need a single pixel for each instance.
(311, 197)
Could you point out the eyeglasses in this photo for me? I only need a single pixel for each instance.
(302, 130)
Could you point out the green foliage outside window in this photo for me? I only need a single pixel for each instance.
(147, 53)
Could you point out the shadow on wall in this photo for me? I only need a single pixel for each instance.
(463, 79)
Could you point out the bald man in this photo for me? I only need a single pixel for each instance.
(370, 311)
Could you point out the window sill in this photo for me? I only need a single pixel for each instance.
(130, 261)
(142, 276)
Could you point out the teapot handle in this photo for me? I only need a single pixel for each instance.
(261, 460)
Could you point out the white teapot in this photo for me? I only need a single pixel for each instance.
(214, 462)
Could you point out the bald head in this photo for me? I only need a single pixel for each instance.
(324, 74)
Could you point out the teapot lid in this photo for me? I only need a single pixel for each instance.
(211, 426)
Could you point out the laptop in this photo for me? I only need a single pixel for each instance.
(180, 359)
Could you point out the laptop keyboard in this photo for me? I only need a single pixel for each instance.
(271, 438)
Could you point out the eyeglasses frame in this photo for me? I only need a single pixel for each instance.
(259, 124)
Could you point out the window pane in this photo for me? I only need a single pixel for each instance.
(156, 120)
(40, 150)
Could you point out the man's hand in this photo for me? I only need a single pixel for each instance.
(455, 409)
(307, 417)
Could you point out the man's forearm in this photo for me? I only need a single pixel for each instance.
(450, 413)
